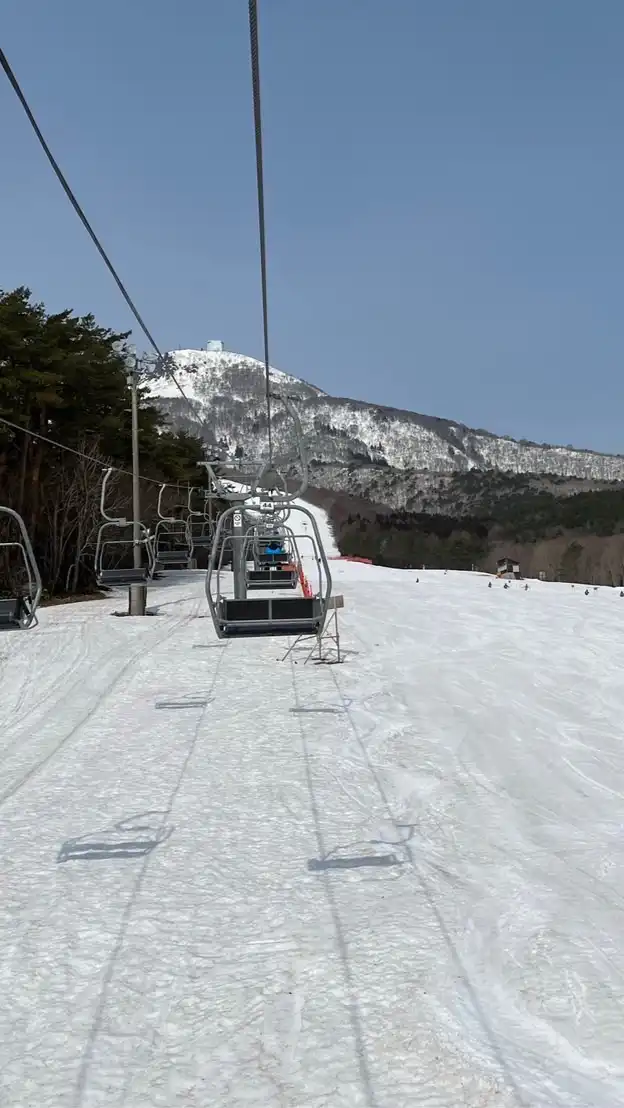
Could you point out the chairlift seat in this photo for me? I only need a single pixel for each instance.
(128, 576)
(173, 557)
(12, 611)
(300, 615)
(202, 541)
(271, 579)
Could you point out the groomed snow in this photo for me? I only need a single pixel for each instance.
(323, 524)
(473, 734)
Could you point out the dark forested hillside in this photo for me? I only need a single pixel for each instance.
(64, 377)
(571, 538)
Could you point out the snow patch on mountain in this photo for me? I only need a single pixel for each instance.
(203, 372)
(227, 391)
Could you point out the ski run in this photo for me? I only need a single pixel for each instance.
(229, 879)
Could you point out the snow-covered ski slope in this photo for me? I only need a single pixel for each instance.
(171, 934)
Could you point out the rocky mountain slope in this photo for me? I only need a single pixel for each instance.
(382, 453)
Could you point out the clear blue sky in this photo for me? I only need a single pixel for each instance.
(445, 192)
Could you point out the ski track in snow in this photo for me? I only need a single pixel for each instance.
(192, 957)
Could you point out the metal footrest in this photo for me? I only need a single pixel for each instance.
(271, 579)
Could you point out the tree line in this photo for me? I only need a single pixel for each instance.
(65, 377)
(505, 511)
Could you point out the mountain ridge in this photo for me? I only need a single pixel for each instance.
(227, 390)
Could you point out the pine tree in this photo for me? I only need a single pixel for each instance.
(64, 377)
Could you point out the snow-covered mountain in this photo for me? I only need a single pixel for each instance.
(228, 394)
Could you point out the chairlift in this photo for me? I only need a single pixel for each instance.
(272, 552)
(200, 523)
(18, 609)
(239, 615)
(275, 560)
(267, 547)
(304, 613)
(173, 545)
(121, 575)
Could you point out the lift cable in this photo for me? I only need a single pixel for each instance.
(79, 453)
(255, 81)
(4, 63)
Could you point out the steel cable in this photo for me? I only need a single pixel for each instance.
(255, 81)
(4, 63)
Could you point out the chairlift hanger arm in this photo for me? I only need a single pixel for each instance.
(159, 505)
(121, 520)
(303, 457)
(159, 508)
(267, 466)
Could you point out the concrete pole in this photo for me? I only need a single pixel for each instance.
(136, 481)
(137, 594)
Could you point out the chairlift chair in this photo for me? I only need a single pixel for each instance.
(271, 552)
(280, 573)
(200, 524)
(121, 575)
(238, 615)
(172, 539)
(18, 611)
(271, 545)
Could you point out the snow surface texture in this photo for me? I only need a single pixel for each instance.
(172, 933)
(228, 392)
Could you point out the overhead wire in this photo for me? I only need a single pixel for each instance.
(72, 450)
(255, 82)
(4, 63)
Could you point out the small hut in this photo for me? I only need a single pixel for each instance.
(508, 569)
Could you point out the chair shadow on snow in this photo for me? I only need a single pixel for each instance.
(316, 711)
(322, 709)
(361, 861)
(185, 702)
(335, 860)
(133, 837)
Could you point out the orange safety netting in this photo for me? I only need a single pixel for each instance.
(303, 581)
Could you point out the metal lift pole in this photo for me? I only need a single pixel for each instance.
(137, 597)
(238, 555)
(136, 483)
